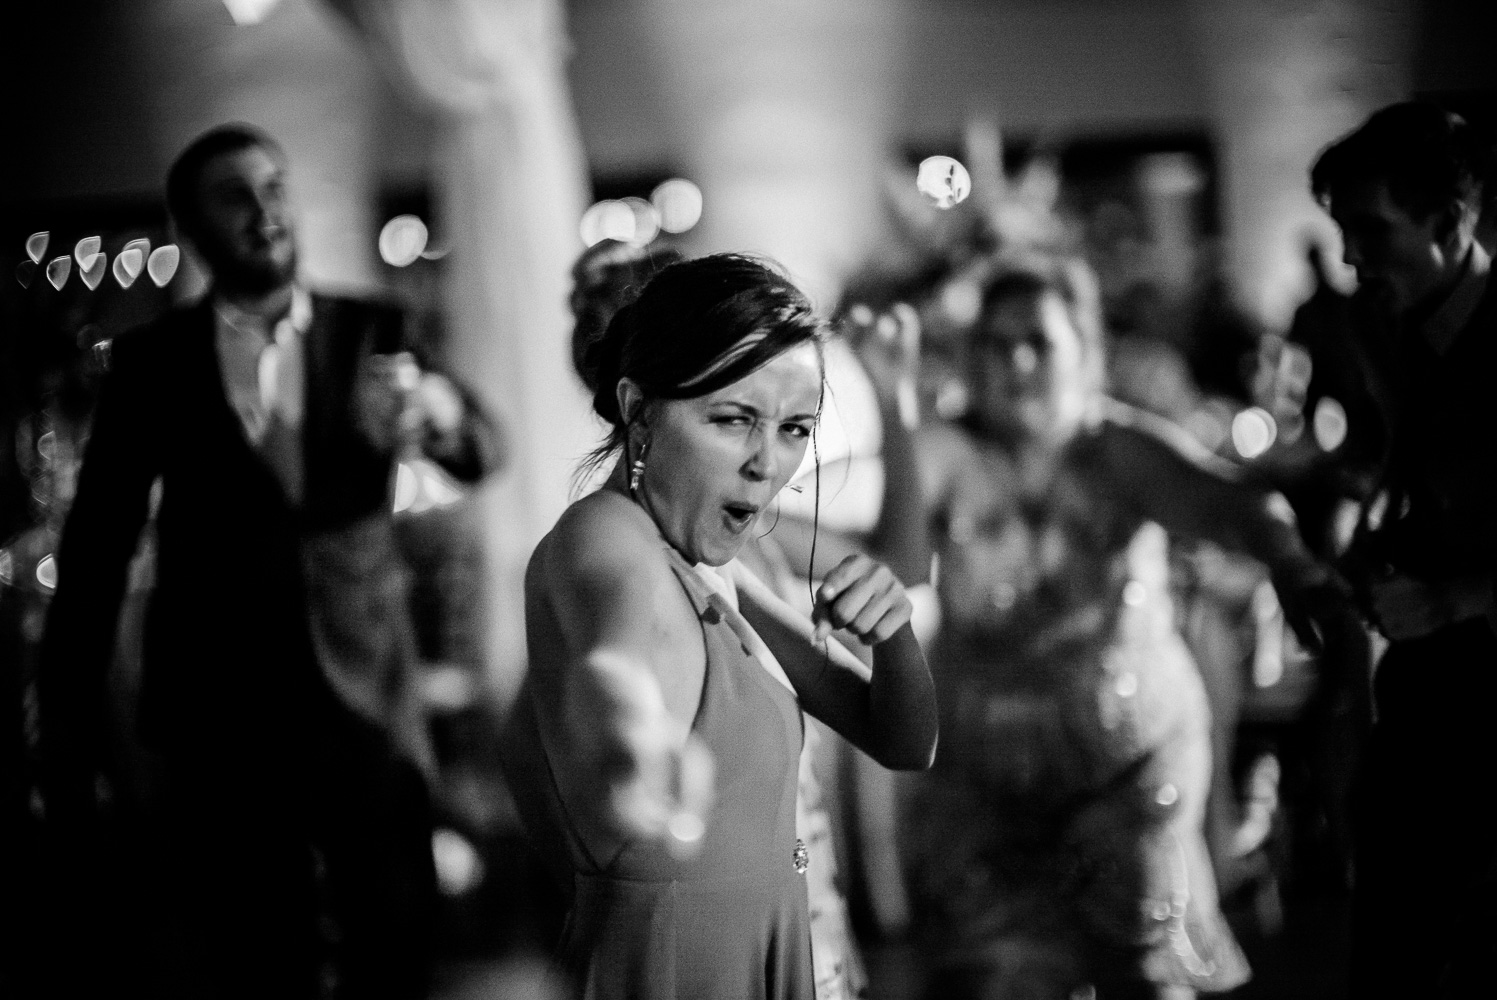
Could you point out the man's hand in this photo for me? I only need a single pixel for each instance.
(1408, 608)
(396, 403)
(1311, 601)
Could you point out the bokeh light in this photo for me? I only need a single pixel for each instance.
(679, 203)
(646, 220)
(1330, 423)
(162, 264)
(130, 261)
(459, 866)
(943, 180)
(247, 12)
(36, 246)
(58, 271)
(402, 240)
(687, 827)
(86, 249)
(46, 572)
(608, 220)
(128, 265)
(961, 301)
(1253, 432)
(93, 272)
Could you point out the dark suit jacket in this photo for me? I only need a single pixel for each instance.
(261, 608)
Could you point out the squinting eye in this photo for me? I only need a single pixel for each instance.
(797, 430)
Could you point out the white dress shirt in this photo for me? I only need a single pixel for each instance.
(264, 379)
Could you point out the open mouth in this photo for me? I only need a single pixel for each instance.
(739, 515)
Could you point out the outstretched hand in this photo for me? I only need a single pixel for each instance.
(656, 775)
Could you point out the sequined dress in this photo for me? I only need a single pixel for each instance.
(1058, 844)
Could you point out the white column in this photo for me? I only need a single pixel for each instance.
(512, 186)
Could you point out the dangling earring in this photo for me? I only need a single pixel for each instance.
(637, 470)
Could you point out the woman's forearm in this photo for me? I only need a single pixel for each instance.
(902, 704)
(900, 537)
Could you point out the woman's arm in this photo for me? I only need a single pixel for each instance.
(1174, 480)
(891, 355)
(890, 713)
(616, 704)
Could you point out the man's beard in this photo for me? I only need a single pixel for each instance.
(232, 274)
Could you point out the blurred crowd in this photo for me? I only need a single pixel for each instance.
(1153, 551)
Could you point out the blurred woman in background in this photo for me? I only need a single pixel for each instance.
(1056, 850)
(656, 658)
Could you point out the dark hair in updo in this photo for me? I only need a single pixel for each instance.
(697, 326)
(606, 277)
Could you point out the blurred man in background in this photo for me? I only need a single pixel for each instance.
(1406, 190)
(262, 423)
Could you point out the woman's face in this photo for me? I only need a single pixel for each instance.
(1029, 365)
(715, 463)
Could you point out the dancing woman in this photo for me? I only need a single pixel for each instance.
(1057, 847)
(654, 748)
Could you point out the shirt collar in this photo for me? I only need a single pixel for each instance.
(300, 315)
(1442, 328)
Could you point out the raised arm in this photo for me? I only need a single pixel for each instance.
(400, 398)
(459, 434)
(1174, 480)
(891, 354)
(890, 713)
(98, 541)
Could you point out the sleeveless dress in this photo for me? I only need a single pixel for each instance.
(1058, 841)
(731, 922)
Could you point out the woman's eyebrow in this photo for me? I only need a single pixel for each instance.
(746, 407)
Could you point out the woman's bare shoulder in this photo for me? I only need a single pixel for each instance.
(601, 534)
